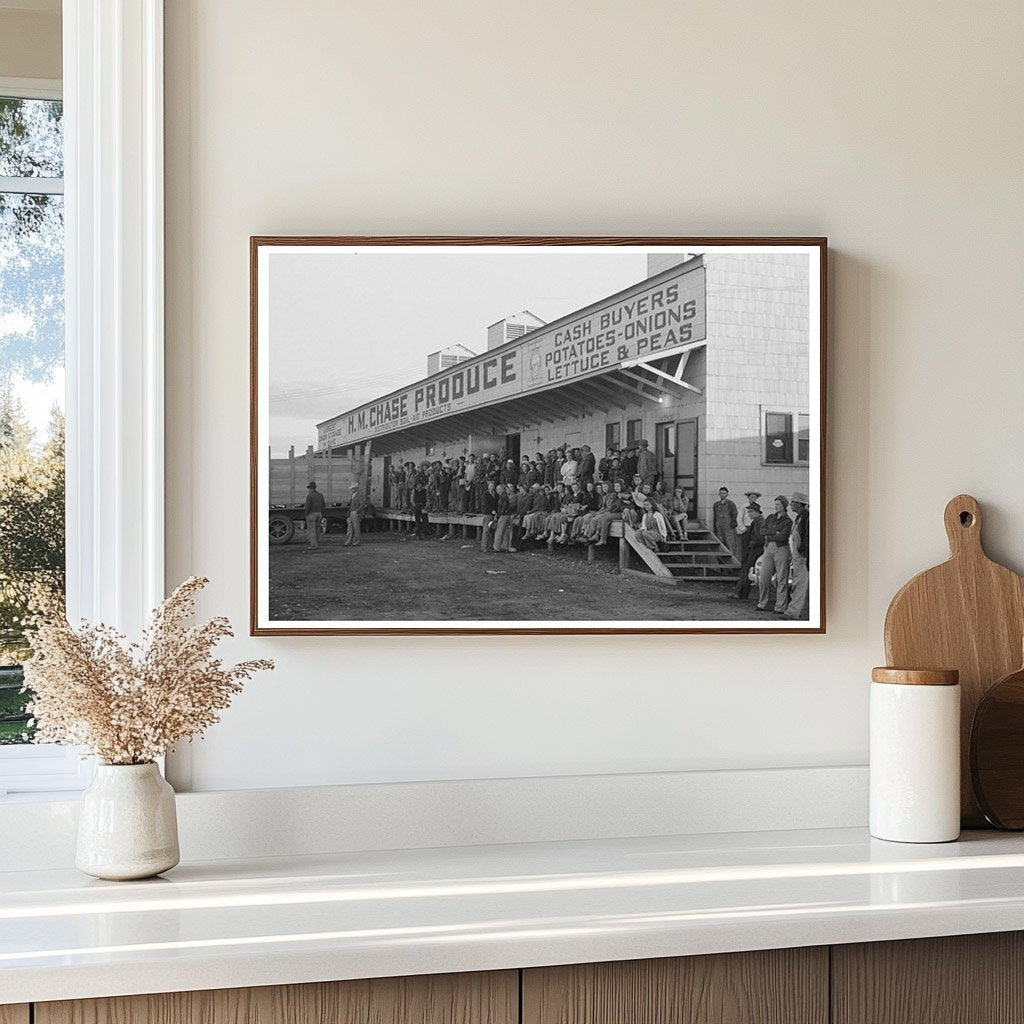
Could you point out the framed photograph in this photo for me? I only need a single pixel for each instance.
(537, 435)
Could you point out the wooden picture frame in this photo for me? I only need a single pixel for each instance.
(702, 357)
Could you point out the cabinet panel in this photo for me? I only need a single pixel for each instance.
(778, 986)
(482, 998)
(14, 1014)
(962, 979)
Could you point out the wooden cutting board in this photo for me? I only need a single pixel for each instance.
(967, 614)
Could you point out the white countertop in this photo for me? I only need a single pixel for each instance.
(224, 924)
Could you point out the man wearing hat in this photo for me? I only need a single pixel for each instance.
(646, 464)
(744, 522)
(355, 514)
(775, 560)
(509, 475)
(314, 509)
(800, 546)
(754, 543)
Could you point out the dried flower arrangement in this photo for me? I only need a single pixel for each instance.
(130, 703)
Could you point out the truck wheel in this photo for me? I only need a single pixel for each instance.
(282, 529)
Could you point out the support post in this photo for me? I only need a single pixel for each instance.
(366, 470)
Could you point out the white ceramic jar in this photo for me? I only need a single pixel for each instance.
(127, 823)
(915, 755)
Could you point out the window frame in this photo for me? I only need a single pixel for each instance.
(639, 421)
(112, 90)
(608, 442)
(38, 767)
(795, 416)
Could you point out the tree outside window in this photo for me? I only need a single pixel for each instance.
(31, 385)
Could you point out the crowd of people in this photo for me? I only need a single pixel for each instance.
(568, 496)
(772, 550)
(565, 496)
(458, 484)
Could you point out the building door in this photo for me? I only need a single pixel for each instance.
(512, 442)
(665, 453)
(686, 462)
(387, 481)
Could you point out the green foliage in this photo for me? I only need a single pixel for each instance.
(14, 727)
(31, 523)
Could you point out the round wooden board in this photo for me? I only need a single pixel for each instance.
(997, 752)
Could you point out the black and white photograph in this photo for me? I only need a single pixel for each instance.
(537, 435)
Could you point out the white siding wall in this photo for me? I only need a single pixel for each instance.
(758, 358)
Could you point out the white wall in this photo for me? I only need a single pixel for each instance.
(895, 129)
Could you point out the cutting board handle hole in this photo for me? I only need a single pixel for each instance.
(966, 519)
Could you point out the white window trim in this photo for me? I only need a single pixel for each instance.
(32, 88)
(113, 167)
(35, 768)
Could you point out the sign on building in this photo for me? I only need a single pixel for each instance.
(654, 316)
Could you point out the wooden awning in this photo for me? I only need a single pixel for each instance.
(650, 378)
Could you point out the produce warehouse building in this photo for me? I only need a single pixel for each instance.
(707, 358)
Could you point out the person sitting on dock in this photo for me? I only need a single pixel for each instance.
(594, 495)
(557, 500)
(610, 512)
(534, 519)
(676, 513)
(574, 507)
(653, 530)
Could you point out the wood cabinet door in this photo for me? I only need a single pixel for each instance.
(481, 998)
(960, 979)
(777, 986)
(14, 1014)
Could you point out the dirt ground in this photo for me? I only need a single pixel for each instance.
(391, 576)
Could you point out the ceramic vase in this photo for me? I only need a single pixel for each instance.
(127, 825)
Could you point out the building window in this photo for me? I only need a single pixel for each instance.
(31, 384)
(663, 441)
(612, 435)
(787, 438)
(803, 438)
(634, 431)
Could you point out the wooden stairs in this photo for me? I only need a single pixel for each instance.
(702, 557)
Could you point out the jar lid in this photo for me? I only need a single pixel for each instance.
(916, 676)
